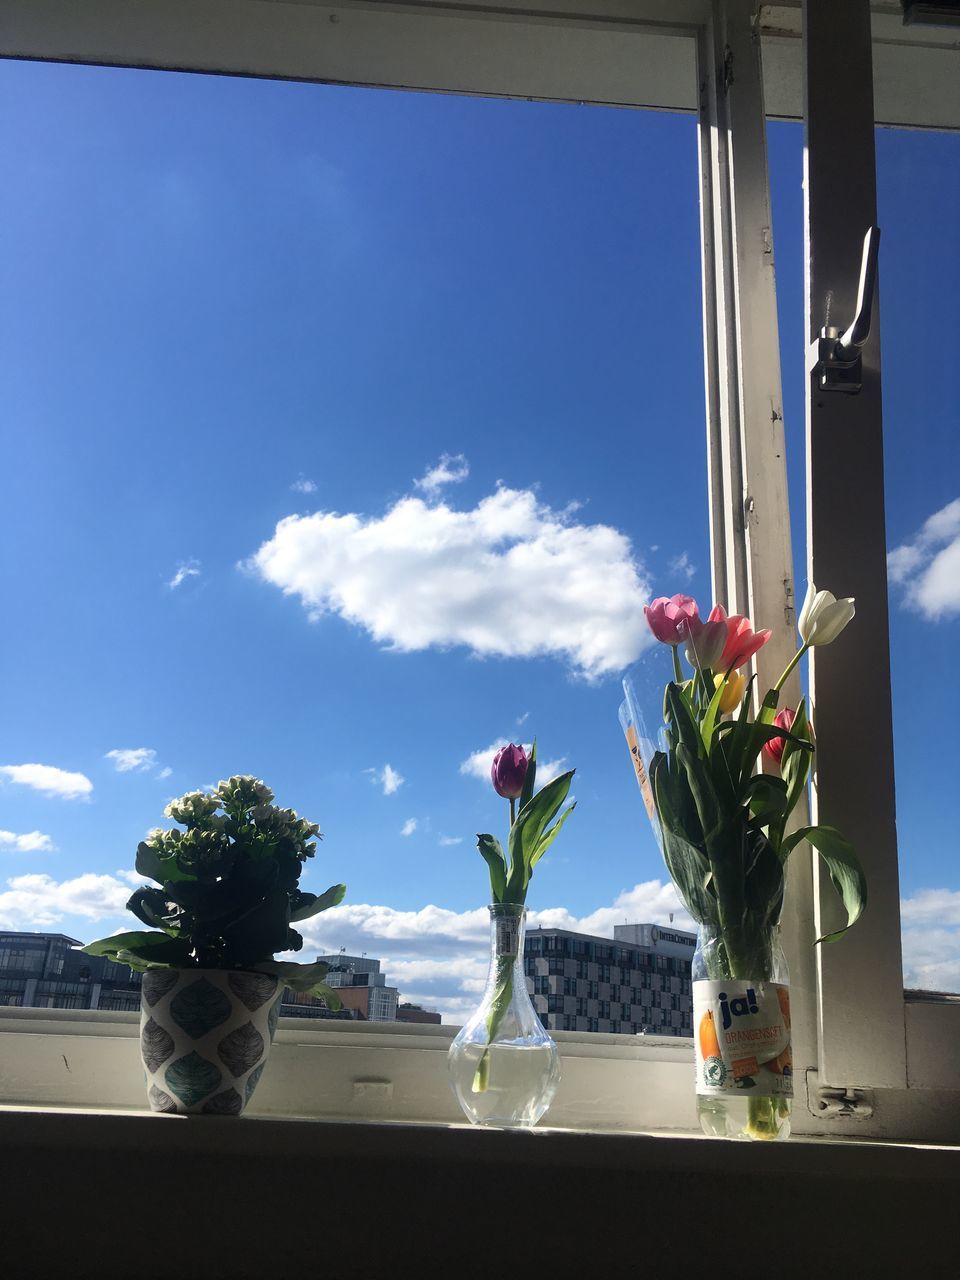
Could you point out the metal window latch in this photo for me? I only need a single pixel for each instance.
(835, 357)
(843, 1102)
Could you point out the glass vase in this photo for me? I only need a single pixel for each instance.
(741, 1027)
(504, 1067)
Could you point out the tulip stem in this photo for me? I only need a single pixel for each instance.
(513, 810)
(789, 667)
(677, 669)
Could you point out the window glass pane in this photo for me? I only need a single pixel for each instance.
(918, 176)
(348, 431)
(918, 194)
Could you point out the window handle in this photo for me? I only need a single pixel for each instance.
(835, 357)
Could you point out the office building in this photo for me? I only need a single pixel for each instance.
(45, 971)
(637, 981)
(361, 986)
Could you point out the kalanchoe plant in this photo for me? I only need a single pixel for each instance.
(228, 889)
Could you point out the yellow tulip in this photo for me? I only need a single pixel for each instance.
(736, 683)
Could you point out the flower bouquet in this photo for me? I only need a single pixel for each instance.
(504, 1067)
(722, 825)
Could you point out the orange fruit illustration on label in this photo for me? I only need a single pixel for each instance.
(783, 996)
(709, 1044)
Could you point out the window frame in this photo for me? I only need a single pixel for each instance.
(687, 55)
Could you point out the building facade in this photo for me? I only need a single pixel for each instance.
(45, 971)
(361, 986)
(638, 981)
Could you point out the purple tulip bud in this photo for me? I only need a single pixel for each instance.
(508, 771)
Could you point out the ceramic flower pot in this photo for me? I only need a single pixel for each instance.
(204, 1037)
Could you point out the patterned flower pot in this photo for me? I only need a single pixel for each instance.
(204, 1037)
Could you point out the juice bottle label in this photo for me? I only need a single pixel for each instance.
(741, 1031)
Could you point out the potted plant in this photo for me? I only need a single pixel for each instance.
(228, 895)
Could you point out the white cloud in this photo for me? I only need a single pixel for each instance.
(29, 842)
(303, 485)
(165, 772)
(931, 939)
(127, 759)
(927, 565)
(451, 469)
(38, 901)
(683, 564)
(478, 764)
(447, 841)
(48, 780)
(409, 827)
(508, 578)
(186, 569)
(387, 777)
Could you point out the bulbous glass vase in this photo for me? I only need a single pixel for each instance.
(504, 1067)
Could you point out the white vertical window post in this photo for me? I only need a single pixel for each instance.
(861, 985)
(749, 509)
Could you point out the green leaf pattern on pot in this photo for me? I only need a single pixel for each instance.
(241, 1049)
(199, 1008)
(157, 982)
(192, 1078)
(228, 1103)
(156, 1045)
(254, 989)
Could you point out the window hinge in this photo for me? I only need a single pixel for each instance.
(843, 1101)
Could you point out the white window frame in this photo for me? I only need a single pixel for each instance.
(685, 55)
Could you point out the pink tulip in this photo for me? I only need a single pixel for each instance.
(705, 645)
(508, 771)
(742, 641)
(783, 720)
(673, 618)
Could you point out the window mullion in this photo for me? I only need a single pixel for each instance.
(862, 1026)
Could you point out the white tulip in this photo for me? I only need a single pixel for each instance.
(823, 616)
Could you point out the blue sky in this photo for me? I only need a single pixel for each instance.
(351, 429)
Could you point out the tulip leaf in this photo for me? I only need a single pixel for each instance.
(766, 797)
(492, 854)
(529, 778)
(795, 762)
(844, 868)
(710, 717)
(686, 862)
(526, 833)
(548, 837)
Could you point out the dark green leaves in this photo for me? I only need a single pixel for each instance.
(844, 868)
(303, 977)
(721, 823)
(305, 905)
(228, 884)
(492, 854)
(141, 950)
(529, 837)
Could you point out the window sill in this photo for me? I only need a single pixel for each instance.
(357, 1197)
